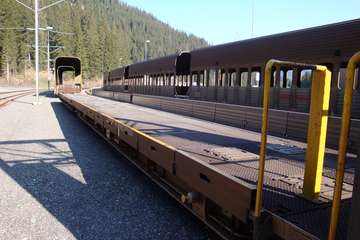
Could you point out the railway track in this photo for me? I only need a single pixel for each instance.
(8, 96)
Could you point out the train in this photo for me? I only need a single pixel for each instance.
(212, 169)
(233, 73)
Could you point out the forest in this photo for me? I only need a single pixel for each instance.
(105, 34)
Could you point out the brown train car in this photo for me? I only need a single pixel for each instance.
(233, 73)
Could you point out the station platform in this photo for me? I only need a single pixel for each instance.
(234, 152)
(59, 180)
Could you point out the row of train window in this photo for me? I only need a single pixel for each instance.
(229, 78)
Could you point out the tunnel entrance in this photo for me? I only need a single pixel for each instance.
(66, 83)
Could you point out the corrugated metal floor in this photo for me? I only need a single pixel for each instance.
(235, 151)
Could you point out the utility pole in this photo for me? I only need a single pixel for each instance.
(48, 55)
(37, 11)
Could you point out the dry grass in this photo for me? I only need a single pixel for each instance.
(28, 80)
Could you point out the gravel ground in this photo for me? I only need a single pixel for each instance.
(59, 180)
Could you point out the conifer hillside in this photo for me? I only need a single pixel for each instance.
(106, 34)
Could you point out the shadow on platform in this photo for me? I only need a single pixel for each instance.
(91, 190)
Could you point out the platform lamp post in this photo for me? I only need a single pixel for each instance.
(37, 9)
(146, 50)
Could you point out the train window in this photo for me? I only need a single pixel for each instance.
(273, 79)
(255, 79)
(273, 76)
(232, 76)
(305, 78)
(224, 81)
(342, 78)
(243, 79)
(156, 80)
(289, 79)
(185, 80)
(176, 80)
(194, 77)
(212, 76)
(220, 78)
(281, 82)
(172, 80)
(180, 80)
(202, 79)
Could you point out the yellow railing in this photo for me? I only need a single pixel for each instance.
(343, 142)
(320, 96)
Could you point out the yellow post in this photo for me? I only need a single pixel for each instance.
(344, 135)
(316, 135)
(319, 106)
(264, 128)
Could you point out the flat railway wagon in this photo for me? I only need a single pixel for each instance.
(218, 172)
(191, 122)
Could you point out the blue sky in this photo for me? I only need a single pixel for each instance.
(230, 20)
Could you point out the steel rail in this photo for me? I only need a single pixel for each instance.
(6, 100)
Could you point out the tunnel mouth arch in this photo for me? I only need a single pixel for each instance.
(66, 64)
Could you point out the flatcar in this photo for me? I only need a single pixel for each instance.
(234, 72)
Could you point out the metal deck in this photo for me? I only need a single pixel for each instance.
(235, 152)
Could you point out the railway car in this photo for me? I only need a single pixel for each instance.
(233, 73)
(219, 173)
(214, 170)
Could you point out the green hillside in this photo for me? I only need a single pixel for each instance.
(107, 34)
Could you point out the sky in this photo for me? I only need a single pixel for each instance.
(221, 21)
